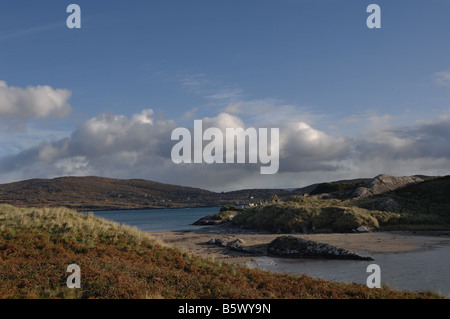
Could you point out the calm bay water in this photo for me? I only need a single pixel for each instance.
(419, 271)
(159, 219)
(427, 269)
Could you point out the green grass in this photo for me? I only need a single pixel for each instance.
(224, 215)
(307, 214)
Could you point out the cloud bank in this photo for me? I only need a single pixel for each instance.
(139, 147)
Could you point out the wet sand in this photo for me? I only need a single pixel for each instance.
(196, 241)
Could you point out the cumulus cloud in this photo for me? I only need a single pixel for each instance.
(140, 147)
(428, 139)
(304, 148)
(269, 112)
(33, 102)
(223, 121)
(104, 145)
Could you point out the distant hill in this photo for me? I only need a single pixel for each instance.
(101, 193)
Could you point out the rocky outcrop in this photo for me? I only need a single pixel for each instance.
(384, 183)
(223, 216)
(207, 220)
(295, 247)
(235, 244)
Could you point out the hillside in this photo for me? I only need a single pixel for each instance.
(385, 202)
(100, 193)
(37, 245)
(422, 203)
(330, 187)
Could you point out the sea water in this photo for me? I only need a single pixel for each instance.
(159, 219)
(419, 270)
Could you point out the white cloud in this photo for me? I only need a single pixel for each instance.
(223, 121)
(189, 115)
(442, 78)
(304, 148)
(269, 112)
(33, 102)
(145, 117)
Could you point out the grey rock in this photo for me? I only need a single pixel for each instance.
(234, 244)
(386, 204)
(214, 241)
(361, 192)
(207, 220)
(384, 183)
(362, 229)
(295, 247)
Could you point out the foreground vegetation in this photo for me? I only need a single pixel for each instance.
(37, 245)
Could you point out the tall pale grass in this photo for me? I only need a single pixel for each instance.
(64, 220)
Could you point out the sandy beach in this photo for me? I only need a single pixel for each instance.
(196, 241)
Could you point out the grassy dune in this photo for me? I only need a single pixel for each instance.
(37, 245)
(310, 214)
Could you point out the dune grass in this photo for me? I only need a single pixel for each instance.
(37, 245)
(308, 214)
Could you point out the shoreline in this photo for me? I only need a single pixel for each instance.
(367, 244)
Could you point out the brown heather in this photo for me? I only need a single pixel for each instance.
(37, 245)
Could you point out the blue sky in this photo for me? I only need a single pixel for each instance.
(261, 62)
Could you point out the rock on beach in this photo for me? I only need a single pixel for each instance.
(295, 247)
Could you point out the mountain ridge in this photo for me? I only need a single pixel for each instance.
(104, 193)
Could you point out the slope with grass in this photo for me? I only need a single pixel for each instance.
(307, 214)
(419, 205)
(37, 245)
(424, 205)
